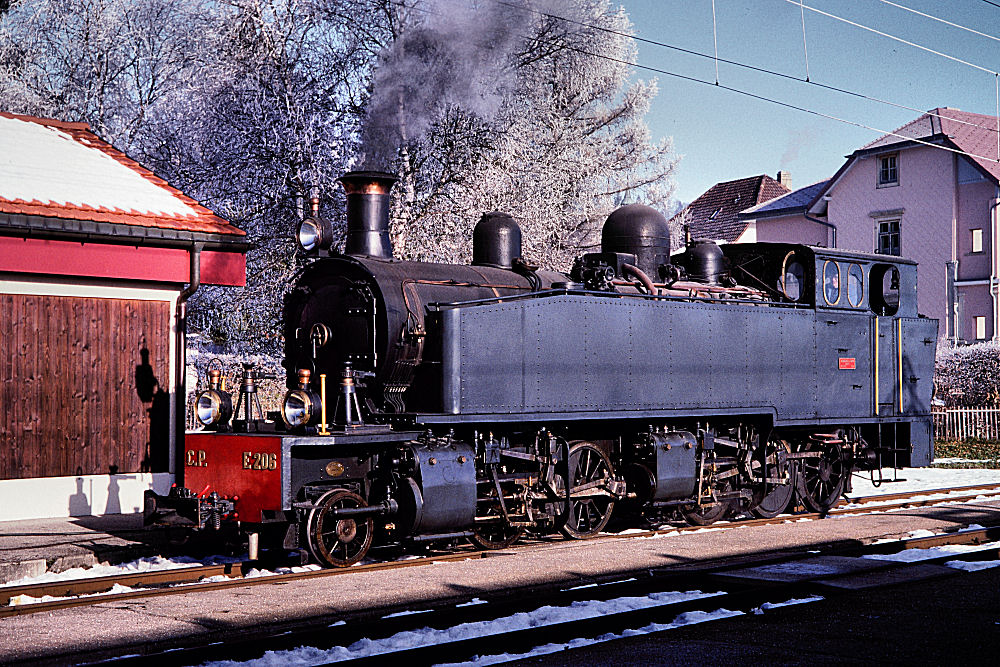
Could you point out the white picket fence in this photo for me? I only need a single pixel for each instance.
(959, 423)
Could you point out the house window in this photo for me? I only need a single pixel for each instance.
(888, 237)
(977, 240)
(888, 170)
(980, 327)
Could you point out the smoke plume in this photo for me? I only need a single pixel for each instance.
(455, 54)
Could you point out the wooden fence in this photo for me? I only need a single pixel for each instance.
(959, 423)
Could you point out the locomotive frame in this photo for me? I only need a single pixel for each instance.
(488, 400)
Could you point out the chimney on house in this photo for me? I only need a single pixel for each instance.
(785, 178)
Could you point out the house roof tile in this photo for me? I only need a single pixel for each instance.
(715, 214)
(54, 169)
(795, 201)
(971, 133)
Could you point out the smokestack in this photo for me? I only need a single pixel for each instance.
(785, 178)
(368, 213)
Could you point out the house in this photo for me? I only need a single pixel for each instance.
(785, 219)
(715, 216)
(95, 254)
(929, 191)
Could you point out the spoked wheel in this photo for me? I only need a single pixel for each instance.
(703, 515)
(591, 509)
(497, 534)
(771, 498)
(821, 479)
(338, 542)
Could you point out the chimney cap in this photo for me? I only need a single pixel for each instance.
(368, 182)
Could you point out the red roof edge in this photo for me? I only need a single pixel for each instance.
(51, 122)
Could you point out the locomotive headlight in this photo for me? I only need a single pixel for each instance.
(214, 407)
(315, 234)
(301, 407)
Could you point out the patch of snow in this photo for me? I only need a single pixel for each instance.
(767, 606)
(152, 564)
(19, 600)
(472, 602)
(916, 555)
(408, 612)
(688, 618)
(546, 615)
(921, 479)
(972, 565)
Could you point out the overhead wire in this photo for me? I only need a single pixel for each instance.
(788, 105)
(892, 37)
(805, 49)
(763, 98)
(940, 20)
(734, 63)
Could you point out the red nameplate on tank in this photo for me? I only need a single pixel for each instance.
(246, 466)
(847, 364)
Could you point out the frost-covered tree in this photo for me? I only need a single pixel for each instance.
(271, 128)
(106, 62)
(524, 107)
(250, 106)
(254, 107)
(968, 374)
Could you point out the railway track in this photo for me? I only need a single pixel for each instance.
(640, 603)
(97, 590)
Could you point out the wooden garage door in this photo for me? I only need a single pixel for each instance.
(84, 386)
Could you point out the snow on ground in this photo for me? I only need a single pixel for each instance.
(920, 479)
(153, 564)
(917, 555)
(142, 565)
(546, 615)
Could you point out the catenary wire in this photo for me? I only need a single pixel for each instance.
(939, 19)
(763, 98)
(779, 103)
(892, 37)
(735, 63)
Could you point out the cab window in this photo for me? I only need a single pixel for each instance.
(855, 285)
(884, 289)
(793, 276)
(831, 282)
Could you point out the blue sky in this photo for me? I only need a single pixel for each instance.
(723, 135)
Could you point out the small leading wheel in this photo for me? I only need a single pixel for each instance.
(591, 509)
(497, 533)
(821, 479)
(338, 542)
(771, 499)
(703, 515)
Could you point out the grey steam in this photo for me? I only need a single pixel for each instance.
(453, 54)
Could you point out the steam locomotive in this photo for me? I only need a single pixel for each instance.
(433, 401)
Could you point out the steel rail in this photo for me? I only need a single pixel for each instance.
(91, 591)
(442, 614)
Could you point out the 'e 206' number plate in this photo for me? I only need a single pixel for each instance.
(260, 461)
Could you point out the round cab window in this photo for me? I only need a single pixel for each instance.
(792, 278)
(831, 282)
(855, 285)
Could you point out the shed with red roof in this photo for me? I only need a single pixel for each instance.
(97, 258)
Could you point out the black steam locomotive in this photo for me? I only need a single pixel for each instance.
(433, 401)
